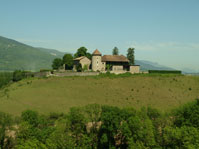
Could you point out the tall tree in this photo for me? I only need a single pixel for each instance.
(115, 51)
(131, 56)
(68, 61)
(82, 51)
(57, 63)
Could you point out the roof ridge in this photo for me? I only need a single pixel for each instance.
(96, 52)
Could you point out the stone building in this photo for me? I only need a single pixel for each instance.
(113, 63)
(83, 61)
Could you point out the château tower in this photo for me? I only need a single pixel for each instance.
(96, 61)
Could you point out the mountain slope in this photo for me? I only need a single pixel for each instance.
(147, 65)
(15, 55)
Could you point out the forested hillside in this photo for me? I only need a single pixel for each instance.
(15, 55)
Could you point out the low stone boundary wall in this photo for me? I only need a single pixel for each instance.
(62, 74)
(42, 74)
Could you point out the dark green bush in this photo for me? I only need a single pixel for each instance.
(5, 78)
(96, 126)
(166, 71)
(19, 75)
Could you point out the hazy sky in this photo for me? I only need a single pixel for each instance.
(163, 31)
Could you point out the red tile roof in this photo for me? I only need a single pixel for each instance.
(79, 58)
(96, 52)
(114, 58)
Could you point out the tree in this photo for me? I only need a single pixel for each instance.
(89, 56)
(93, 113)
(18, 75)
(82, 51)
(68, 61)
(79, 67)
(5, 124)
(187, 115)
(78, 128)
(115, 51)
(57, 63)
(181, 137)
(130, 56)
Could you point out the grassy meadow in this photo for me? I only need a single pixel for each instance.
(58, 94)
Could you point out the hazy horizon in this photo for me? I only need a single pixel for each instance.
(160, 31)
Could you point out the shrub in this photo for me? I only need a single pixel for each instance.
(85, 68)
(188, 115)
(18, 75)
(5, 78)
(79, 68)
(166, 71)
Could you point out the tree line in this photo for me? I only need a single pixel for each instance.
(9, 77)
(95, 126)
(67, 59)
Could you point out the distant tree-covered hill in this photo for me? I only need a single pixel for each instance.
(15, 55)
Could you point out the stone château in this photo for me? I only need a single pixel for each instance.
(113, 63)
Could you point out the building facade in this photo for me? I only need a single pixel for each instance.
(113, 63)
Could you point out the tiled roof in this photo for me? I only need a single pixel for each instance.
(114, 58)
(96, 52)
(79, 58)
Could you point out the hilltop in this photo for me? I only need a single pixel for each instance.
(58, 94)
(15, 55)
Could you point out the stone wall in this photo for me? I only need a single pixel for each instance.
(117, 68)
(135, 69)
(42, 74)
(85, 61)
(62, 74)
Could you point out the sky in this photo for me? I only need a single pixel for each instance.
(162, 31)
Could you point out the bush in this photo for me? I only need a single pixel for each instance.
(96, 126)
(79, 68)
(188, 115)
(18, 75)
(85, 68)
(5, 78)
(166, 71)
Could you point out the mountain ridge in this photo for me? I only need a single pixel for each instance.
(16, 55)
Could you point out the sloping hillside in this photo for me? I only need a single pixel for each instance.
(147, 65)
(15, 55)
(59, 94)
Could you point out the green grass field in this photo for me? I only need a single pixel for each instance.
(59, 94)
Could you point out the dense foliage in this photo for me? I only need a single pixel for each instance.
(18, 75)
(95, 126)
(82, 51)
(68, 61)
(5, 78)
(165, 71)
(115, 51)
(131, 56)
(57, 63)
